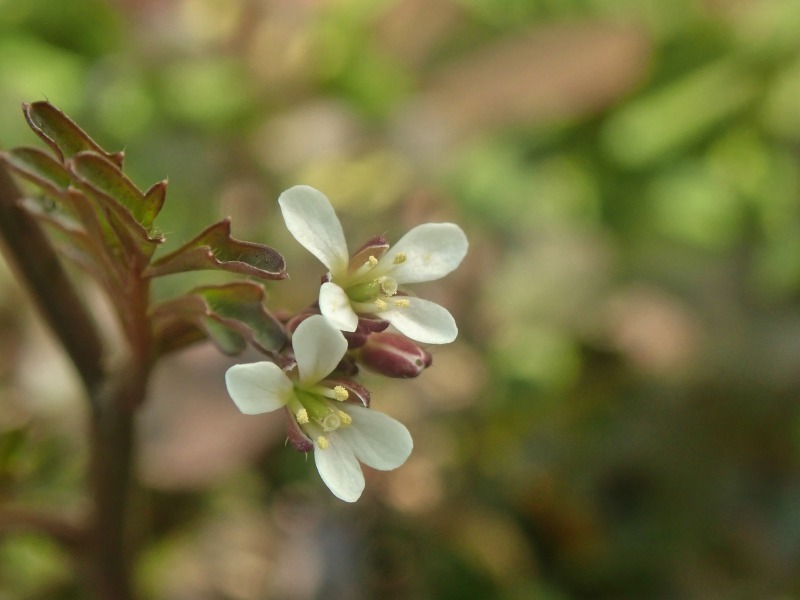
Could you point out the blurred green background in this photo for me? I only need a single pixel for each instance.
(620, 416)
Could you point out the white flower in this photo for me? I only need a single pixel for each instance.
(342, 434)
(426, 253)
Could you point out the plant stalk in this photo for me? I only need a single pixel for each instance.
(113, 395)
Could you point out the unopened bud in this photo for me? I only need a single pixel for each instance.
(393, 355)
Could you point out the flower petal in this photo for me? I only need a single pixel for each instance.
(310, 218)
(335, 306)
(258, 387)
(376, 439)
(339, 469)
(423, 321)
(318, 348)
(432, 251)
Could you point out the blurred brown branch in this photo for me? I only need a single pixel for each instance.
(14, 519)
(112, 397)
(35, 261)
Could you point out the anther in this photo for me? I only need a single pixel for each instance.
(340, 393)
(302, 416)
(344, 418)
(381, 304)
(402, 303)
(322, 442)
(400, 258)
(372, 261)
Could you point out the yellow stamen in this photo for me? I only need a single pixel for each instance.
(402, 303)
(345, 418)
(302, 416)
(322, 442)
(380, 304)
(372, 261)
(400, 258)
(340, 393)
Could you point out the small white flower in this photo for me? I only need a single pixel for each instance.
(426, 253)
(342, 433)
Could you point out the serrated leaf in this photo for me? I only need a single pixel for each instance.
(243, 302)
(71, 239)
(155, 197)
(61, 133)
(100, 176)
(215, 249)
(39, 168)
(225, 313)
(48, 211)
(55, 181)
(226, 339)
(129, 233)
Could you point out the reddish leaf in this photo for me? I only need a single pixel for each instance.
(99, 175)
(214, 248)
(230, 315)
(61, 133)
(39, 168)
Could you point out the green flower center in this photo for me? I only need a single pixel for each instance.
(314, 409)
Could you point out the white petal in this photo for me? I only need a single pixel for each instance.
(376, 439)
(318, 348)
(335, 305)
(432, 251)
(339, 469)
(423, 321)
(312, 221)
(258, 387)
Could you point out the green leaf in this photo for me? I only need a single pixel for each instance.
(111, 194)
(226, 314)
(61, 133)
(226, 339)
(215, 249)
(39, 168)
(48, 211)
(72, 239)
(100, 176)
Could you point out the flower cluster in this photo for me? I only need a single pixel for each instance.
(360, 297)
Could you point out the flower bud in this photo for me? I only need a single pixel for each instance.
(393, 355)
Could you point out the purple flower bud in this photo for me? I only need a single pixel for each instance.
(393, 355)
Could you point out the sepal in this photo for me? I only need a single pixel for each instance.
(357, 393)
(295, 436)
(375, 246)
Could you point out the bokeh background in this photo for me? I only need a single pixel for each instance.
(620, 416)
